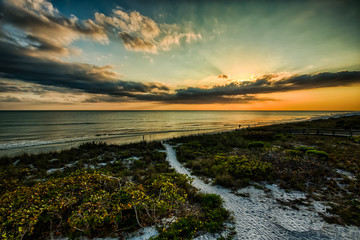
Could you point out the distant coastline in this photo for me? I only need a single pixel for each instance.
(173, 110)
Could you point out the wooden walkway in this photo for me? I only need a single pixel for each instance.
(314, 131)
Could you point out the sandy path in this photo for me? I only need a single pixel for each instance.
(261, 217)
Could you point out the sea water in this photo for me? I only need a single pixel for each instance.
(44, 131)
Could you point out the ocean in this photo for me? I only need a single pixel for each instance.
(44, 131)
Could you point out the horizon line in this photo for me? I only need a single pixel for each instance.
(174, 110)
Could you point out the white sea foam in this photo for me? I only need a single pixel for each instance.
(15, 145)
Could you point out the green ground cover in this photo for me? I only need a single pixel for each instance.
(101, 190)
(345, 122)
(309, 163)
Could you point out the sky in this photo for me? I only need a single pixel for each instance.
(179, 55)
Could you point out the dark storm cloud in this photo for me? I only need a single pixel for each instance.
(17, 65)
(37, 44)
(199, 98)
(242, 92)
(14, 64)
(20, 87)
(320, 80)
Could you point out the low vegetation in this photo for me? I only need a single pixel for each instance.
(326, 168)
(100, 190)
(345, 123)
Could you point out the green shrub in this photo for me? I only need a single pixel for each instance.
(304, 148)
(214, 214)
(348, 211)
(211, 219)
(242, 167)
(236, 170)
(12, 177)
(215, 219)
(256, 144)
(209, 201)
(293, 153)
(188, 151)
(80, 201)
(318, 154)
(225, 180)
(183, 228)
(90, 204)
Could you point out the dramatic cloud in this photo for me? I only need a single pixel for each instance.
(39, 27)
(76, 76)
(32, 31)
(14, 64)
(42, 29)
(140, 33)
(133, 23)
(180, 97)
(244, 92)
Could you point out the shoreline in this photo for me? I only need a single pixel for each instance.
(45, 146)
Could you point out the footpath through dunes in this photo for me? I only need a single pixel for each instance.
(261, 217)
